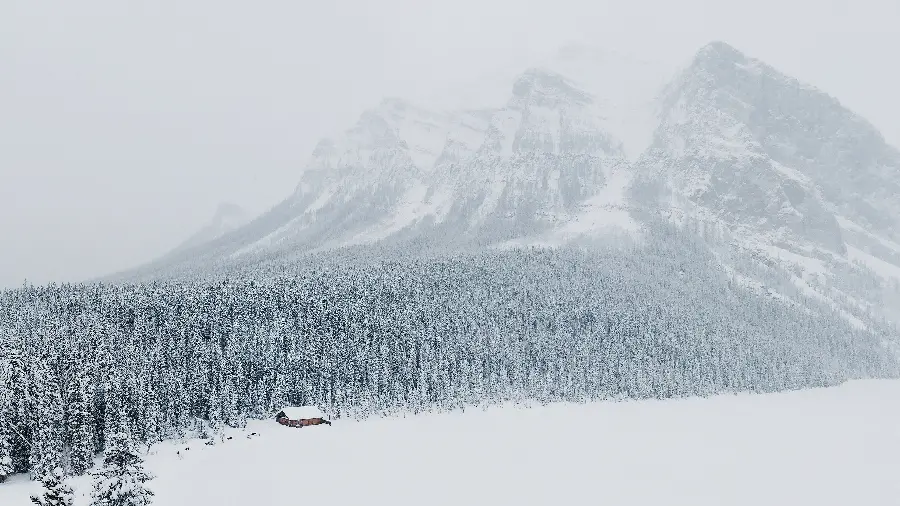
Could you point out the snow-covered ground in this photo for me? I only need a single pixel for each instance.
(837, 446)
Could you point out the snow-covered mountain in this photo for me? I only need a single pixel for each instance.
(772, 167)
(793, 192)
(544, 165)
(761, 150)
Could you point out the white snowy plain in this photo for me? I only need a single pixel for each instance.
(834, 446)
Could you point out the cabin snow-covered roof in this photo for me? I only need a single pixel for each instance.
(302, 412)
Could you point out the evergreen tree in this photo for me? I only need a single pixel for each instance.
(6, 434)
(56, 491)
(120, 482)
(47, 447)
(81, 427)
(16, 383)
(6, 462)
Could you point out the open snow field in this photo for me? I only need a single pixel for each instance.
(837, 446)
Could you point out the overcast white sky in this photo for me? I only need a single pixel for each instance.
(124, 124)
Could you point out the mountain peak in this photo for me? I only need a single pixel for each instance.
(719, 66)
(727, 66)
(721, 51)
(775, 154)
(546, 88)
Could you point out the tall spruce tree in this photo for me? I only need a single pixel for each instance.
(47, 447)
(121, 480)
(6, 434)
(19, 406)
(81, 426)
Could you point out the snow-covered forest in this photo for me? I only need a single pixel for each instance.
(81, 363)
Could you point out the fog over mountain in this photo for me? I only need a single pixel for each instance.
(124, 128)
(228, 216)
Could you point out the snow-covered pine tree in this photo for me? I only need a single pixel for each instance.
(47, 444)
(6, 462)
(120, 482)
(6, 467)
(6, 419)
(115, 418)
(18, 404)
(56, 491)
(152, 417)
(81, 426)
(231, 413)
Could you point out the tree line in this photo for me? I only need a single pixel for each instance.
(82, 363)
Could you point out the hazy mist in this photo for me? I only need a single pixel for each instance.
(123, 126)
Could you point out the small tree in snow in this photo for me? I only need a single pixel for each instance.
(121, 480)
(6, 430)
(56, 491)
(6, 463)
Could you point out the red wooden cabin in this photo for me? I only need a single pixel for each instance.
(301, 416)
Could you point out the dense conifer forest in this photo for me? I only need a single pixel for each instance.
(81, 363)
